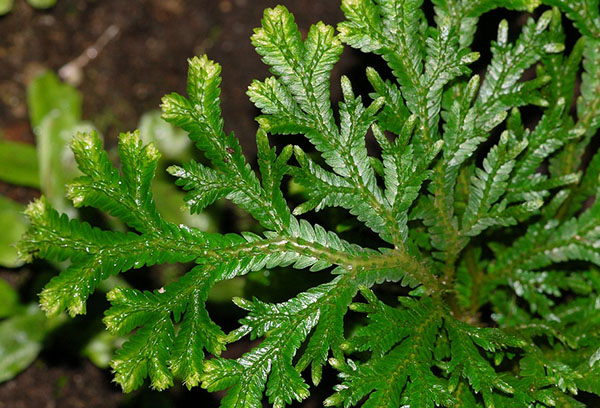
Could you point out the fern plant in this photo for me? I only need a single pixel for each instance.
(486, 224)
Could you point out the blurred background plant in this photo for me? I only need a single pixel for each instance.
(7, 5)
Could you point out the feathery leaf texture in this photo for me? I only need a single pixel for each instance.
(486, 225)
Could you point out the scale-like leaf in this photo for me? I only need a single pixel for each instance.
(479, 223)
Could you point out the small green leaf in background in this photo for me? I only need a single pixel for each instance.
(171, 203)
(42, 4)
(174, 145)
(10, 299)
(101, 348)
(46, 93)
(22, 332)
(20, 341)
(12, 224)
(5, 6)
(172, 142)
(18, 164)
(224, 291)
(55, 115)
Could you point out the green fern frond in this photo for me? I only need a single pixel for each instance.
(200, 116)
(583, 13)
(481, 276)
(125, 196)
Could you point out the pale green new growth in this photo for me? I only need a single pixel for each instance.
(484, 222)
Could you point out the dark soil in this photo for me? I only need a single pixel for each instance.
(40, 386)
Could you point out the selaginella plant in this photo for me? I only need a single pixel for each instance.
(484, 220)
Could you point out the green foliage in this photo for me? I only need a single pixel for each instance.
(55, 115)
(42, 4)
(22, 332)
(484, 223)
(55, 110)
(20, 341)
(23, 158)
(14, 224)
(7, 5)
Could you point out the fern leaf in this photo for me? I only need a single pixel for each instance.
(287, 326)
(468, 363)
(200, 116)
(489, 184)
(583, 13)
(407, 365)
(103, 187)
(95, 255)
(144, 354)
(204, 185)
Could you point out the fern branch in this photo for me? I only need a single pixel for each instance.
(200, 116)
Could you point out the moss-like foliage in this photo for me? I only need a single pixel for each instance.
(486, 222)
